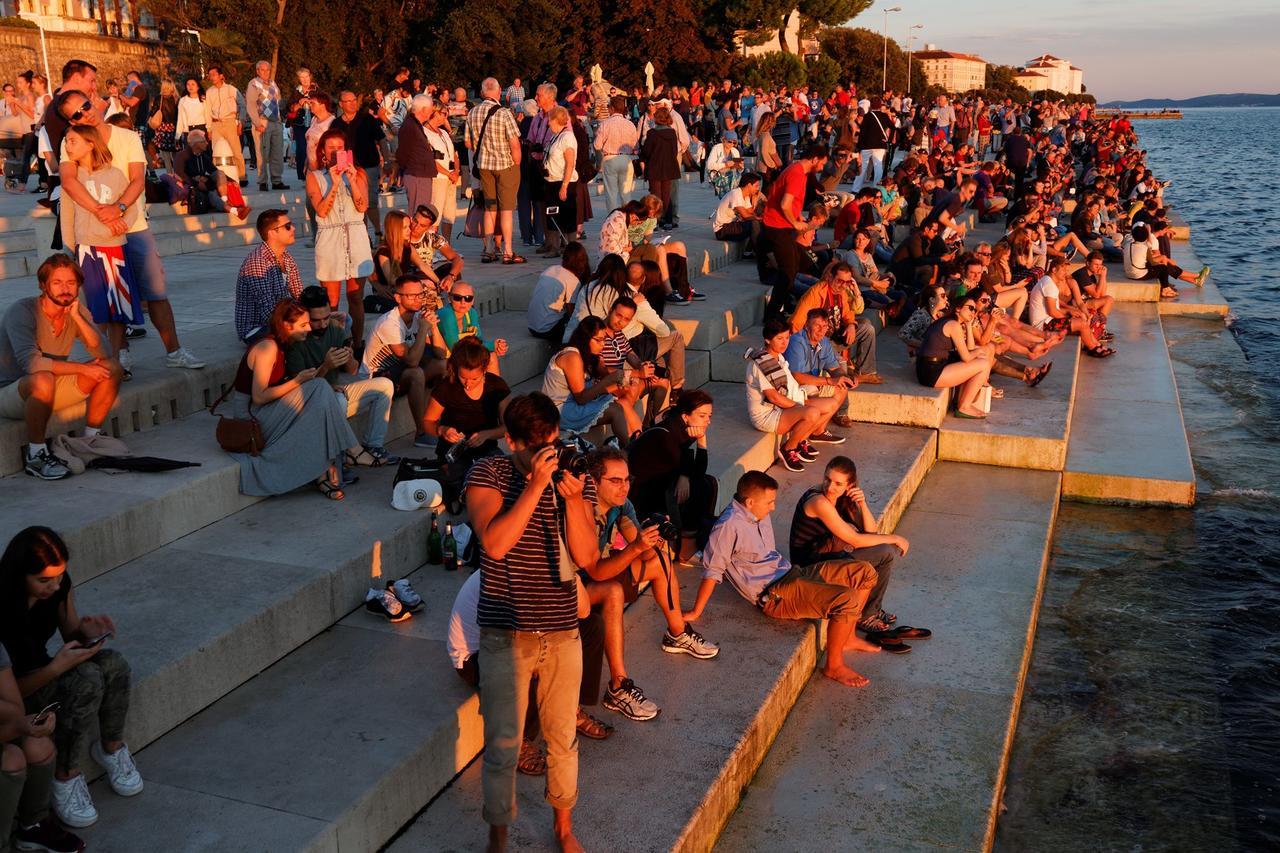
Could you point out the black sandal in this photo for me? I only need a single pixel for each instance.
(513, 258)
(1039, 375)
(488, 257)
(1100, 352)
(329, 490)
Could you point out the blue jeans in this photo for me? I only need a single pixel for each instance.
(529, 214)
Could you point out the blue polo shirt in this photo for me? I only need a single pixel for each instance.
(803, 357)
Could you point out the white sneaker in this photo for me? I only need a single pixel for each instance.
(182, 357)
(126, 360)
(629, 701)
(122, 773)
(72, 803)
(689, 643)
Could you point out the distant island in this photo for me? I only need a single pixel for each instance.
(1239, 99)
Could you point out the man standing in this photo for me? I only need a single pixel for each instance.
(946, 117)
(783, 223)
(262, 98)
(137, 102)
(873, 143)
(415, 155)
(536, 526)
(538, 136)
(267, 275)
(494, 140)
(298, 118)
(363, 133)
(222, 101)
(37, 376)
(140, 248)
(616, 140)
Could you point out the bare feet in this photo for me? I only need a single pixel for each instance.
(857, 644)
(845, 676)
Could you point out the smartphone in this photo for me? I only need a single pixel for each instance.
(553, 210)
(97, 641)
(45, 712)
(345, 159)
(664, 238)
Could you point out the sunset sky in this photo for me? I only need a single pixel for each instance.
(1128, 50)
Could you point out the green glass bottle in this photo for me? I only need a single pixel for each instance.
(434, 553)
(450, 549)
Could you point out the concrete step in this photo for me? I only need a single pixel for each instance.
(1192, 301)
(1128, 443)
(19, 240)
(916, 761)
(1029, 428)
(205, 613)
(901, 400)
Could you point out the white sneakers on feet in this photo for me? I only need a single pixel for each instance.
(182, 357)
(72, 803)
(122, 773)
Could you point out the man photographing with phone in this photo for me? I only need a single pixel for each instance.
(536, 527)
(327, 349)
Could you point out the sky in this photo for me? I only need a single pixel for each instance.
(1128, 49)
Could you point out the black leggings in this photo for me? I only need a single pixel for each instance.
(1164, 272)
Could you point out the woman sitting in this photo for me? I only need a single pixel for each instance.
(88, 681)
(931, 305)
(304, 424)
(626, 231)
(669, 464)
(877, 291)
(611, 281)
(393, 259)
(465, 412)
(551, 305)
(724, 164)
(945, 360)
(1009, 295)
(461, 320)
(584, 392)
(986, 329)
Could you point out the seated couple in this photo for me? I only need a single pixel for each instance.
(840, 580)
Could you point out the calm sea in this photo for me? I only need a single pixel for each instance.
(1151, 720)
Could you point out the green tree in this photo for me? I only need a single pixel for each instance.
(764, 20)
(775, 69)
(860, 52)
(824, 73)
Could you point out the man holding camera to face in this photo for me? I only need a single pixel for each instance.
(535, 524)
(632, 552)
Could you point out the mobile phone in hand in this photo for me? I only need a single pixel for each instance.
(39, 718)
(97, 641)
(345, 159)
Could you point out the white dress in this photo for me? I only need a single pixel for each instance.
(342, 241)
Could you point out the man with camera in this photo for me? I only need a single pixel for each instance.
(632, 552)
(535, 524)
(742, 547)
(327, 350)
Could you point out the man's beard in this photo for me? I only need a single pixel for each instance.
(63, 301)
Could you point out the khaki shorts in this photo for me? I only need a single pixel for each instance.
(66, 392)
(500, 187)
(819, 391)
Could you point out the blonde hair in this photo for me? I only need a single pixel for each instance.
(395, 229)
(168, 87)
(99, 154)
(557, 115)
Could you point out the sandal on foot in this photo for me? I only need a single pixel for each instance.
(353, 459)
(513, 258)
(1169, 293)
(329, 490)
(997, 393)
(589, 726)
(487, 257)
(531, 761)
(960, 414)
(1100, 352)
(1039, 375)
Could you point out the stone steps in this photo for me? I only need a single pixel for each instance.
(917, 760)
(1128, 442)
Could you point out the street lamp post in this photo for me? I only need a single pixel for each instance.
(910, 35)
(884, 65)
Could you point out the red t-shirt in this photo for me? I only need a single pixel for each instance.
(792, 180)
(847, 221)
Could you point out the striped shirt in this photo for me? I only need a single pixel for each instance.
(616, 350)
(522, 591)
(495, 149)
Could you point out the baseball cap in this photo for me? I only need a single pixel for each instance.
(409, 495)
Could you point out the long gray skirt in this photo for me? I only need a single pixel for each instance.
(305, 430)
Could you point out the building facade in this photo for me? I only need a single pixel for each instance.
(92, 17)
(1051, 72)
(955, 72)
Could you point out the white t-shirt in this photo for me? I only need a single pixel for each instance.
(390, 330)
(463, 639)
(725, 211)
(759, 410)
(1046, 288)
(721, 153)
(564, 141)
(126, 148)
(443, 143)
(555, 290)
(1137, 256)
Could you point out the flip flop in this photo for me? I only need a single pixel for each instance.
(1040, 375)
(960, 414)
(908, 632)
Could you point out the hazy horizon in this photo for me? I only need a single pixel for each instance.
(1128, 51)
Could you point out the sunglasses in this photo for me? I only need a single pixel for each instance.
(460, 297)
(79, 114)
(288, 225)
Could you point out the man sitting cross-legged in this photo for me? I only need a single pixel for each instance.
(833, 521)
(636, 552)
(37, 375)
(776, 403)
(742, 547)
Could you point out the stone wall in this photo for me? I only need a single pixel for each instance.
(20, 50)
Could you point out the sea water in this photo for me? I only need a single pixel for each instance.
(1151, 719)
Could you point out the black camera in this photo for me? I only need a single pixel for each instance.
(569, 457)
(666, 529)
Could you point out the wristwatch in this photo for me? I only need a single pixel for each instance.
(124, 208)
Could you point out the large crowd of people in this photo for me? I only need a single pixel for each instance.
(604, 486)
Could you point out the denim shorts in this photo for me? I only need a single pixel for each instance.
(143, 257)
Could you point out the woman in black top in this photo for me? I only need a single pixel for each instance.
(89, 680)
(660, 155)
(465, 412)
(669, 464)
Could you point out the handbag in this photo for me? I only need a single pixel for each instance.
(237, 435)
(155, 120)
